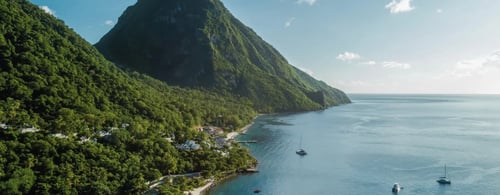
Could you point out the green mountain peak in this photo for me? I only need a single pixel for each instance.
(199, 44)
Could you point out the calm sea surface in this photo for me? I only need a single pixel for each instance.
(365, 147)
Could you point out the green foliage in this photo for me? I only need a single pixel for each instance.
(20, 182)
(53, 80)
(200, 44)
(169, 189)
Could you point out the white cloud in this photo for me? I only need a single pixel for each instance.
(394, 64)
(48, 10)
(289, 22)
(371, 62)
(439, 11)
(348, 56)
(310, 2)
(388, 64)
(479, 66)
(108, 22)
(397, 6)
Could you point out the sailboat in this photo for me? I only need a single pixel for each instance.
(444, 179)
(396, 188)
(301, 151)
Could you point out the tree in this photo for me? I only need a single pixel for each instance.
(20, 183)
(53, 80)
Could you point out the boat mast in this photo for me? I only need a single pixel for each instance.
(300, 142)
(445, 170)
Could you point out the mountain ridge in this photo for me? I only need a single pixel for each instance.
(200, 44)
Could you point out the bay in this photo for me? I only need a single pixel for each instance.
(366, 146)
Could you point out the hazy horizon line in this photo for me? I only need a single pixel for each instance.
(416, 93)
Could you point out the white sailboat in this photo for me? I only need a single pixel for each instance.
(444, 179)
(396, 188)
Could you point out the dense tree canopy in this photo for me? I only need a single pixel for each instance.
(70, 121)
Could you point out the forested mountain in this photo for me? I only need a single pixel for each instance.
(199, 44)
(72, 122)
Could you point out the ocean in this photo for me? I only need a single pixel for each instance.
(378, 140)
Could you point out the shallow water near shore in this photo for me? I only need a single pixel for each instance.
(365, 147)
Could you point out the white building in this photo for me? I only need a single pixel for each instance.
(59, 135)
(189, 145)
(29, 130)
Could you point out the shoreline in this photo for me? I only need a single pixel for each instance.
(230, 136)
(216, 182)
(202, 189)
(234, 134)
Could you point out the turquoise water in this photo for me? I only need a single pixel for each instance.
(365, 147)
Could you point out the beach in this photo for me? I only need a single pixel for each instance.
(230, 136)
(234, 134)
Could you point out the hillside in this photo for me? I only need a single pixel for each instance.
(199, 44)
(72, 122)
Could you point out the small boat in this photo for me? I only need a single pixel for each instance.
(444, 180)
(301, 152)
(257, 191)
(396, 188)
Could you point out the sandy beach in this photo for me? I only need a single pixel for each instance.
(229, 136)
(233, 135)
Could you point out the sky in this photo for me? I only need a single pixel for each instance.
(358, 46)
